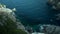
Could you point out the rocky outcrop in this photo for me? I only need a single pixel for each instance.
(8, 22)
(54, 3)
(50, 29)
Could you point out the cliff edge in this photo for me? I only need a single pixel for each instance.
(8, 22)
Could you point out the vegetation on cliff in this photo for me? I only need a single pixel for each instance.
(8, 22)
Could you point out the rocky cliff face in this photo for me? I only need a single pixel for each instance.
(8, 22)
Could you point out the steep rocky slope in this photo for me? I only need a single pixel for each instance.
(8, 22)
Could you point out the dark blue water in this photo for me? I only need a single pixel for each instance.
(31, 11)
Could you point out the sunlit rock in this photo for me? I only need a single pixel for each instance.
(3, 9)
(14, 9)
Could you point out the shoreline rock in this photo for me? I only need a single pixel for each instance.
(8, 20)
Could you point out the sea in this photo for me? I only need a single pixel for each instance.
(33, 12)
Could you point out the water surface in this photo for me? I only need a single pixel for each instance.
(31, 11)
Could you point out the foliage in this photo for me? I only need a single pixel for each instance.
(9, 26)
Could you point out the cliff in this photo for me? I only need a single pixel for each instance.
(8, 22)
